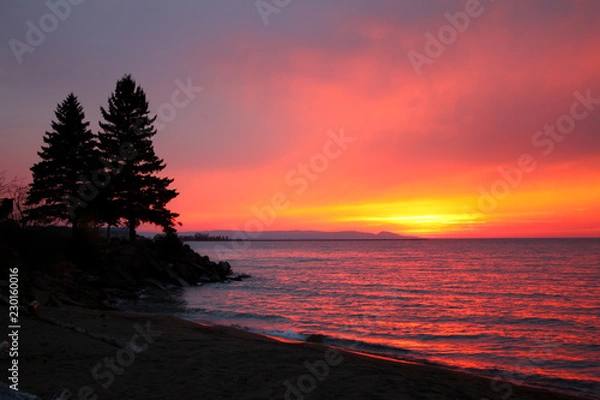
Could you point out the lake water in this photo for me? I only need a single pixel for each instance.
(525, 310)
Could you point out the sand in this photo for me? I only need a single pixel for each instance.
(136, 356)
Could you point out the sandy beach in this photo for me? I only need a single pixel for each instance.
(116, 355)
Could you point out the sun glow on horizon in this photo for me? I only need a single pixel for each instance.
(425, 146)
(423, 224)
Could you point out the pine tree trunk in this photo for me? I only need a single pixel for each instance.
(132, 234)
(75, 231)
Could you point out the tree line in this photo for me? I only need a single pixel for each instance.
(110, 178)
(204, 237)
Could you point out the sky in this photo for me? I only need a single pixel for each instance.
(436, 119)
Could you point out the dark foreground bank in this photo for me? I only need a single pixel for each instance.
(103, 354)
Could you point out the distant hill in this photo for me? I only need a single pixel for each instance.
(304, 235)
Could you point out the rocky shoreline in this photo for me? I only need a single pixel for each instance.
(125, 271)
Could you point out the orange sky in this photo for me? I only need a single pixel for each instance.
(423, 145)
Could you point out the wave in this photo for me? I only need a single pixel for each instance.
(585, 388)
(287, 334)
(217, 315)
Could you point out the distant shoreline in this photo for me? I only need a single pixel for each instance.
(277, 235)
(391, 240)
(306, 240)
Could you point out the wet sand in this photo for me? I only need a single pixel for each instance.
(117, 355)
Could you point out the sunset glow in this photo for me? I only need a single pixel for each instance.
(294, 199)
(426, 145)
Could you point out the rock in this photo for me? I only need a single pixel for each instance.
(223, 269)
(186, 272)
(204, 277)
(154, 283)
(69, 301)
(43, 296)
(54, 301)
(183, 283)
(135, 265)
(40, 282)
(32, 307)
(239, 277)
(120, 277)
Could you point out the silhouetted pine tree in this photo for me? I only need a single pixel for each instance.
(137, 194)
(69, 155)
